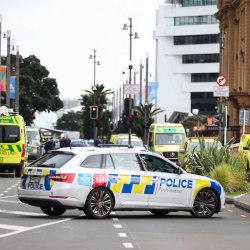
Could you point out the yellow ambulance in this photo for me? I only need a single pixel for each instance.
(13, 142)
(165, 139)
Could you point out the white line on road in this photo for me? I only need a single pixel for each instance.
(128, 245)
(117, 226)
(21, 213)
(122, 235)
(244, 216)
(12, 227)
(115, 219)
(33, 228)
(8, 196)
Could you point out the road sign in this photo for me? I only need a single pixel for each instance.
(221, 91)
(221, 80)
(131, 89)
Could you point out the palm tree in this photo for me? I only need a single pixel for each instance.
(96, 97)
(144, 118)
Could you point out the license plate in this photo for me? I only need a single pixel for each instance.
(35, 179)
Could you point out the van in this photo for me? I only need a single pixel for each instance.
(13, 142)
(165, 139)
(34, 142)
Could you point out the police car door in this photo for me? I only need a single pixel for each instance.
(126, 180)
(171, 188)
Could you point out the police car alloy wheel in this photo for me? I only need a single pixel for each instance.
(205, 204)
(99, 203)
(53, 211)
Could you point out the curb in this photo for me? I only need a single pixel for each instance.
(240, 204)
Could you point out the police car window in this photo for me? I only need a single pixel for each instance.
(108, 163)
(126, 161)
(52, 160)
(156, 164)
(92, 161)
(9, 134)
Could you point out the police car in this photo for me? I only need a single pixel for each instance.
(101, 180)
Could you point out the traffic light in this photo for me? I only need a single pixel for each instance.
(217, 120)
(131, 121)
(93, 112)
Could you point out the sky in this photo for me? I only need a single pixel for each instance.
(63, 34)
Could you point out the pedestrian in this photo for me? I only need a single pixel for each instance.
(62, 142)
(105, 140)
(98, 141)
(67, 141)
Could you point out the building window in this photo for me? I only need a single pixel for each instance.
(195, 20)
(187, 3)
(196, 39)
(200, 58)
(204, 77)
(204, 102)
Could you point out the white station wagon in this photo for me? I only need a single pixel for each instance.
(101, 180)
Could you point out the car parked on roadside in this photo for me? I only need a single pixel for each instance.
(101, 180)
(190, 145)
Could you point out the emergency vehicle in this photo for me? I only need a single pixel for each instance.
(165, 139)
(101, 180)
(13, 142)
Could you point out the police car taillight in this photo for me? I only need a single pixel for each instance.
(62, 177)
(23, 150)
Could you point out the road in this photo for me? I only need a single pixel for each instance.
(24, 227)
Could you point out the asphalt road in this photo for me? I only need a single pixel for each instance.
(24, 227)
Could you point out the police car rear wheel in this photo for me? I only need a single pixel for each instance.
(205, 204)
(99, 203)
(159, 212)
(53, 211)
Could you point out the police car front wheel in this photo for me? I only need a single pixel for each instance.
(99, 203)
(52, 210)
(205, 204)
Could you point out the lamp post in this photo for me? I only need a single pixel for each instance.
(146, 103)
(0, 58)
(8, 70)
(136, 36)
(17, 78)
(95, 63)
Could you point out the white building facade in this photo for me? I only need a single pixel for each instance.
(187, 56)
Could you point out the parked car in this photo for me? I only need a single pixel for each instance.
(34, 143)
(78, 143)
(135, 142)
(100, 180)
(191, 144)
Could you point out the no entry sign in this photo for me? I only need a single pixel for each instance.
(221, 80)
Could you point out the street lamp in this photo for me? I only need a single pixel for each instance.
(95, 63)
(136, 36)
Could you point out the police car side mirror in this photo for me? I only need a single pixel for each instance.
(179, 171)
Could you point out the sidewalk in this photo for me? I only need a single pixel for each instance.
(242, 201)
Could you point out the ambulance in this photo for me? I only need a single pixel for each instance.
(13, 142)
(165, 139)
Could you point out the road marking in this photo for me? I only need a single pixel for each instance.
(35, 227)
(128, 245)
(122, 235)
(231, 211)
(115, 219)
(7, 201)
(244, 216)
(21, 213)
(12, 227)
(5, 197)
(117, 226)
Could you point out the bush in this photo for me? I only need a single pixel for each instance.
(230, 178)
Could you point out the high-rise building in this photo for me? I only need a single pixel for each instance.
(187, 56)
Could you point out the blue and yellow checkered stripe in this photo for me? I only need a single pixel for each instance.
(48, 183)
(131, 184)
(200, 184)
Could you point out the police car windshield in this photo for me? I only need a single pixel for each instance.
(9, 133)
(168, 138)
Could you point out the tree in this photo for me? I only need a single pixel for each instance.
(38, 92)
(71, 121)
(144, 111)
